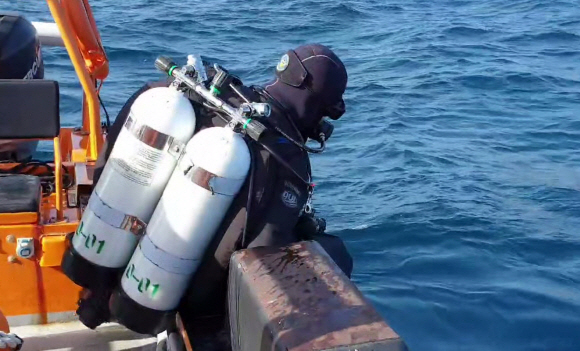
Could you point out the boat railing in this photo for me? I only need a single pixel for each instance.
(76, 30)
(42, 293)
(48, 34)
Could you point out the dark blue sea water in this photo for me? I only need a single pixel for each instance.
(455, 175)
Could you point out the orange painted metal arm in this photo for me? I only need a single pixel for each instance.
(58, 179)
(88, 38)
(83, 43)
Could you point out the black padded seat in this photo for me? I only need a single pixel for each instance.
(29, 109)
(19, 193)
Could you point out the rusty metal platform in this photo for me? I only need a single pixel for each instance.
(297, 299)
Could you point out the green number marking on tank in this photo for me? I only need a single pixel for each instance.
(101, 245)
(80, 229)
(90, 239)
(143, 283)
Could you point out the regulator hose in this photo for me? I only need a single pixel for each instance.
(47, 175)
(266, 147)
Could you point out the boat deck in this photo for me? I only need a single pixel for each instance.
(74, 336)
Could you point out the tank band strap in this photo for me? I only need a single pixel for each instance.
(154, 138)
(165, 260)
(114, 217)
(207, 180)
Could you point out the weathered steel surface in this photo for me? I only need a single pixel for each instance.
(304, 302)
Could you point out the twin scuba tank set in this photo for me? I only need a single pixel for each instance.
(162, 195)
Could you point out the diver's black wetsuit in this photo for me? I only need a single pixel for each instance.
(278, 197)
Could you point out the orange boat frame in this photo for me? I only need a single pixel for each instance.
(34, 290)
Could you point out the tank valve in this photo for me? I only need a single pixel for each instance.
(261, 109)
(255, 109)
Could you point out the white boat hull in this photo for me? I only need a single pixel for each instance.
(75, 336)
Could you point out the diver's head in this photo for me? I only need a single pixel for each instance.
(310, 82)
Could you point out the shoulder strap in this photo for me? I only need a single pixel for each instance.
(269, 98)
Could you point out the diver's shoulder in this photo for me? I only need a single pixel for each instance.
(157, 84)
(150, 85)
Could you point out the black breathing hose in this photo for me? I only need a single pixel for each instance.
(302, 146)
(47, 177)
(285, 164)
(269, 149)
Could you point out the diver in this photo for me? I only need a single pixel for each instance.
(271, 209)
(20, 58)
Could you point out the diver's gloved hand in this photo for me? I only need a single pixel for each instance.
(162, 341)
(10, 340)
(170, 341)
(309, 226)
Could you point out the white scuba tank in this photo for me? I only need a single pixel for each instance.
(209, 175)
(161, 121)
